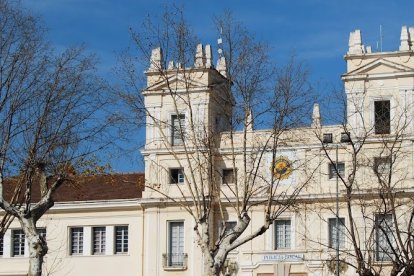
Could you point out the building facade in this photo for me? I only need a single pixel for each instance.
(94, 228)
(328, 189)
(364, 165)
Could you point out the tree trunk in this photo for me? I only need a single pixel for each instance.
(37, 246)
(37, 250)
(211, 267)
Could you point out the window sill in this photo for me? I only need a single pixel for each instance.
(99, 255)
(383, 263)
(175, 268)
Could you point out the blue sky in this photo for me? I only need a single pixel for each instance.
(315, 30)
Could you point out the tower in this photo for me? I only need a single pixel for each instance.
(379, 87)
(186, 108)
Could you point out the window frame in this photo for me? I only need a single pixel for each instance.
(382, 125)
(228, 172)
(178, 134)
(177, 180)
(21, 243)
(42, 232)
(98, 240)
(342, 236)
(287, 245)
(332, 172)
(80, 241)
(229, 225)
(327, 138)
(124, 240)
(179, 262)
(382, 255)
(2, 245)
(382, 161)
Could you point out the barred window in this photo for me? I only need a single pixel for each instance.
(1, 245)
(121, 239)
(176, 244)
(177, 129)
(76, 241)
(283, 234)
(99, 240)
(382, 117)
(18, 242)
(384, 237)
(340, 168)
(333, 232)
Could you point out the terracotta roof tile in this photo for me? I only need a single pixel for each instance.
(96, 187)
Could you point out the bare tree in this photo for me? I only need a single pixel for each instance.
(375, 194)
(202, 139)
(49, 120)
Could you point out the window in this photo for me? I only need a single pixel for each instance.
(384, 237)
(42, 232)
(121, 239)
(1, 245)
(177, 176)
(18, 242)
(332, 171)
(99, 240)
(382, 117)
(229, 226)
(282, 234)
(345, 137)
(327, 138)
(76, 241)
(333, 231)
(382, 166)
(177, 129)
(228, 176)
(176, 243)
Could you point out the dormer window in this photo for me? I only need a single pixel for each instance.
(382, 117)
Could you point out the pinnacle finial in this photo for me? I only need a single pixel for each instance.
(355, 43)
(316, 116)
(209, 56)
(405, 38)
(200, 59)
(222, 66)
(156, 61)
(411, 37)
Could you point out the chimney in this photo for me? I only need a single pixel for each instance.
(156, 61)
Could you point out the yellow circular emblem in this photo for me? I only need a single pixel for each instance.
(282, 168)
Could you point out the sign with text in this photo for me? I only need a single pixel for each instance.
(283, 258)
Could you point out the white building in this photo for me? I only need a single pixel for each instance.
(153, 234)
(95, 228)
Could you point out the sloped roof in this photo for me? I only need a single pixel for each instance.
(94, 187)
